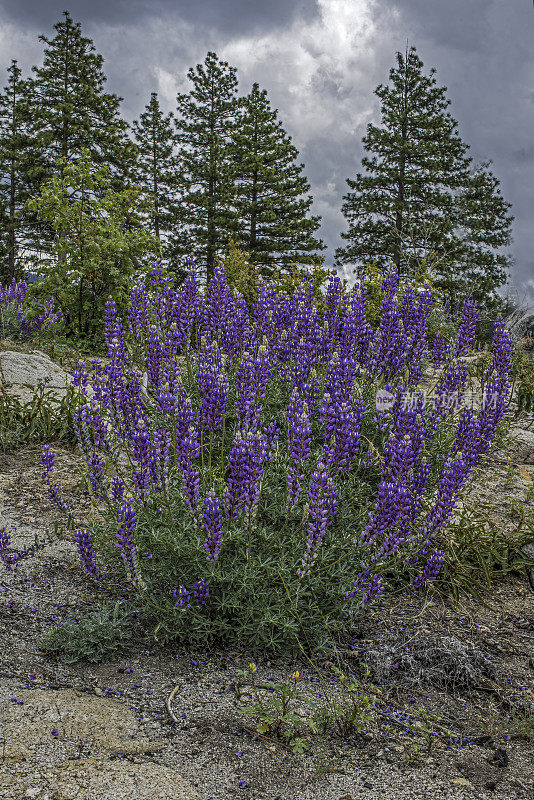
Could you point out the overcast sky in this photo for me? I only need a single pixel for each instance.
(320, 61)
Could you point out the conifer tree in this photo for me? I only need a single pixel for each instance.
(15, 187)
(156, 172)
(71, 111)
(419, 195)
(206, 116)
(272, 203)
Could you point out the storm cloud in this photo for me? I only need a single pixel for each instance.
(320, 62)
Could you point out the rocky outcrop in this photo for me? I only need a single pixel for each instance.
(22, 373)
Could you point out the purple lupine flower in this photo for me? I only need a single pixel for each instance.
(47, 462)
(447, 395)
(311, 391)
(299, 441)
(54, 495)
(155, 354)
(189, 308)
(5, 541)
(213, 386)
(80, 377)
(138, 311)
(342, 423)
(501, 365)
(439, 350)
(114, 334)
(357, 336)
(117, 490)
(188, 450)
(183, 597)
(52, 490)
(86, 551)
(95, 464)
(200, 591)
(430, 571)
(333, 317)
(159, 462)
(245, 469)
(253, 373)
(125, 540)
(213, 512)
(340, 377)
(451, 481)
(370, 586)
(466, 331)
(322, 509)
(218, 304)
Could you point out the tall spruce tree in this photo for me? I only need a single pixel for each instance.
(71, 111)
(419, 194)
(206, 116)
(156, 173)
(272, 203)
(15, 164)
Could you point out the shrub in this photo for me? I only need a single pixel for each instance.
(263, 478)
(98, 242)
(47, 416)
(21, 316)
(97, 636)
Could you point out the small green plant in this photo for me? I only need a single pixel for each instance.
(47, 416)
(286, 711)
(273, 709)
(9, 322)
(521, 725)
(97, 636)
(477, 548)
(524, 382)
(348, 711)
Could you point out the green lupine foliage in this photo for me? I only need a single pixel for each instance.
(14, 164)
(272, 202)
(206, 118)
(156, 174)
(419, 193)
(98, 244)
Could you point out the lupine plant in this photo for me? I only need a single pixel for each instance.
(19, 318)
(252, 488)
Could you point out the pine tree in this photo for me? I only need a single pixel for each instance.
(156, 173)
(272, 202)
(71, 111)
(14, 186)
(419, 194)
(204, 125)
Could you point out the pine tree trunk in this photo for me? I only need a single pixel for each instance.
(155, 186)
(401, 193)
(11, 231)
(254, 213)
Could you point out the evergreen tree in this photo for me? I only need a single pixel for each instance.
(419, 194)
(205, 122)
(156, 172)
(272, 200)
(14, 187)
(71, 111)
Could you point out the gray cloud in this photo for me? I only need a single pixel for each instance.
(230, 16)
(320, 62)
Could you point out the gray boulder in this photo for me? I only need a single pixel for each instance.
(22, 373)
